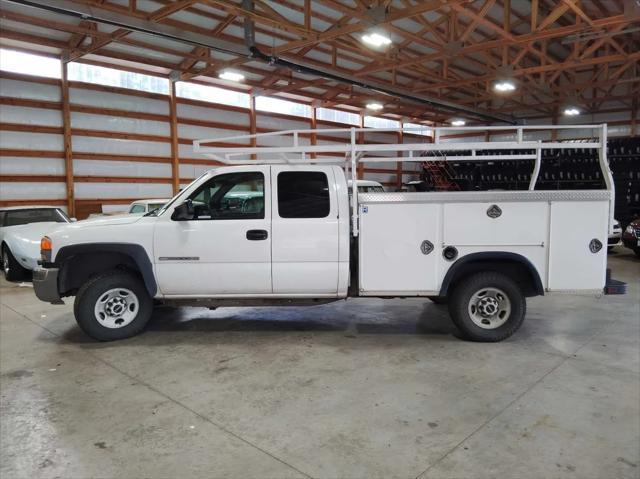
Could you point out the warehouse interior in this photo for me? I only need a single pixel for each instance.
(100, 103)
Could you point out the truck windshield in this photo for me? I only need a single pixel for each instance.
(179, 195)
(36, 215)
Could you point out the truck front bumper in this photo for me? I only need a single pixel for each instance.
(45, 284)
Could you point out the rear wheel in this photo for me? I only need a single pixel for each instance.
(113, 305)
(637, 252)
(12, 270)
(487, 307)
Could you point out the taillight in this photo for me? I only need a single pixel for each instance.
(45, 249)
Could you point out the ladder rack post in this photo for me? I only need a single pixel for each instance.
(536, 169)
(355, 208)
(606, 173)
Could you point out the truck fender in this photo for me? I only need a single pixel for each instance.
(492, 256)
(134, 251)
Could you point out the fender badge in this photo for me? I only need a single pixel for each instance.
(494, 211)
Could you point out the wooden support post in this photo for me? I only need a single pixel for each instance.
(360, 141)
(634, 117)
(68, 147)
(253, 122)
(313, 123)
(175, 152)
(399, 167)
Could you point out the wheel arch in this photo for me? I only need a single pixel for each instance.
(79, 262)
(512, 264)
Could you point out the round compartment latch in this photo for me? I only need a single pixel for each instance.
(450, 253)
(595, 245)
(426, 247)
(494, 211)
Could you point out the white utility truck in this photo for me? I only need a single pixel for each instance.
(278, 226)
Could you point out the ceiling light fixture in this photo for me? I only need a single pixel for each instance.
(571, 111)
(374, 106)
(458, 122)
(376, 39)
(231, 76)
(504, 86)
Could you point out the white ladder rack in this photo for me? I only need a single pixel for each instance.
(356, 149)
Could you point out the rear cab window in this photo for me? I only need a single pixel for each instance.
(303, 194)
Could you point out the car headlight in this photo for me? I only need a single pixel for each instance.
(630, 230)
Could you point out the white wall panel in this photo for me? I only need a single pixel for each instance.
(120, 147)
(119, 124)
(118, 101)
(281, 141)
(122, 190)
(194, 132)
(13, 165)
(30, 116)
(31, 141)
(186, 151)
(121, 168)
(33, 91)
(32, 191)
(193, 171)
(213, 114)
(276, 123)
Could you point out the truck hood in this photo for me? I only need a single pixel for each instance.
(123, 219)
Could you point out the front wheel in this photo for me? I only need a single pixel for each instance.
(487, 307)
(113, 305)
(12, 270)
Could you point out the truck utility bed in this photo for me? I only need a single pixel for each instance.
(541, 226)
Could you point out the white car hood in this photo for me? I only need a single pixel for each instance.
(32, 231)
(24, 240)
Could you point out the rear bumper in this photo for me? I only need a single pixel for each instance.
(45, 285)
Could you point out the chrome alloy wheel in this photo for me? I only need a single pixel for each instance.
(116, 308)
(489, 308)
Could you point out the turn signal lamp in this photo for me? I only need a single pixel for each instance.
(45, 248)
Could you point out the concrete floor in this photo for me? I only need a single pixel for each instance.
(361, 389)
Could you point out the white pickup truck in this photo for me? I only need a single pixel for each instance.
(282, 231)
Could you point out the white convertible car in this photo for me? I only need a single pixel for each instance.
(21, 228)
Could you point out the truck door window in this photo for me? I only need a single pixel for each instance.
(303, 194)
(234, 196)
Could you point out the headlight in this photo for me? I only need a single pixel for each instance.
(630, 230)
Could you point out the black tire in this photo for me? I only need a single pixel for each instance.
(637, 252)
(13, 271)
(440, 300)
(462, 297)
(94, 290)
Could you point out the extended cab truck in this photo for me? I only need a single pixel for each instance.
(276, 232)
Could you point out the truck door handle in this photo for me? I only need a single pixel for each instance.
(257, 235)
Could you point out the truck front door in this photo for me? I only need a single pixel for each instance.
(226, 248)
(305, 230)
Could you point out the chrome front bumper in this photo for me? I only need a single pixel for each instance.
(45, 284)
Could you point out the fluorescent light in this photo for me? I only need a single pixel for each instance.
(571, 111)
(231, 76)
(504, 86)
(374, 106)
(376, 39)
(458, 122)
